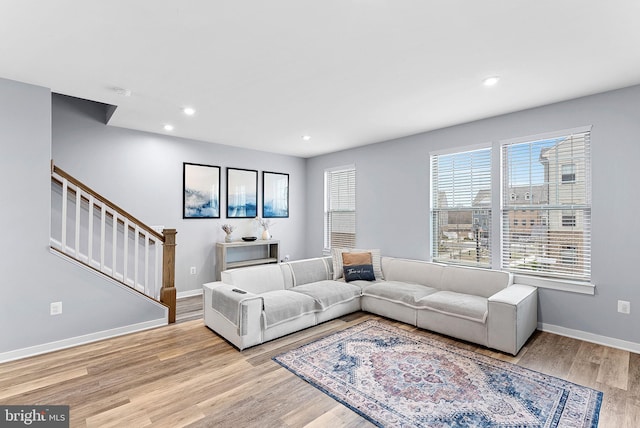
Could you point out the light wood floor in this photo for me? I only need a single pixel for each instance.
(185, 375)
(189, 308)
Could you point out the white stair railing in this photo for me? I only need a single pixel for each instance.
(88, 226)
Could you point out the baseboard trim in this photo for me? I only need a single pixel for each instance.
(590, 337)
(189, 293)
(80, 340)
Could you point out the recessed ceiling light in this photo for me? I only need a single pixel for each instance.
(491, 81)
(306, 137)
(168, 127)
(122, 91)
(189, 111)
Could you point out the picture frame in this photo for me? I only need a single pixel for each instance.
(275, 195)
(242, 193)
(200, 191)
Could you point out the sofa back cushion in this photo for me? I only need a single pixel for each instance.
(476, 281)
(255, 279)
(412, 271)
(306, 271)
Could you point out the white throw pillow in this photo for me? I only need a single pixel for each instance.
(336, 258)
(376, 261)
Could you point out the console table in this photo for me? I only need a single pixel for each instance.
(237, 254)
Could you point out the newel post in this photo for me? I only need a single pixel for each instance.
(168, 291)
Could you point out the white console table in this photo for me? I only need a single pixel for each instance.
(237, 254)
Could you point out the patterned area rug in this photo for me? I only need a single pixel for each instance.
(396, 378)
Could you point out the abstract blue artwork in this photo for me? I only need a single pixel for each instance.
(275, 195)
(201, 191)
(242, 193)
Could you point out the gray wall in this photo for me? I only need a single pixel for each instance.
(392, 180)
(32, 277)
(142, 173)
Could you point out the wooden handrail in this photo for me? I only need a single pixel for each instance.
(106, 201)
(120, 219)
(168, 238)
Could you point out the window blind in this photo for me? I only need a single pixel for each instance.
(546, 215)
(461, 207)
(340, 208)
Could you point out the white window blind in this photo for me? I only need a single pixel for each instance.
(340, 208)
(548, 233)
(461, 207)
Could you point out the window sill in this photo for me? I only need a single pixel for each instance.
(556, 284)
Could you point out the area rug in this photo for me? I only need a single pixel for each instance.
(395, 378)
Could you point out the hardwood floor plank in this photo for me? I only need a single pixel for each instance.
(339, 417)
(632, 413)
(93, 405)
(33, 385)
(127, 415)
(316, 404)
(614, 406)
(591, 352)
(179, 418)
(614, 369)
(633, 386)
(551, 354)
(584, 373)
(189, 308)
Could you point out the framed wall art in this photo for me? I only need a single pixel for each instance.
(275, 195)
(201, 191)
(242, 193)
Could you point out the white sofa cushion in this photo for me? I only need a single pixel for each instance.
(305, 271)
(399, 292)
(255, 279)
(467, 306)
(413, 271)
(329, 293)
(283, 305)
(474, 281)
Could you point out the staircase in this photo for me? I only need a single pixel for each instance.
(98, 234)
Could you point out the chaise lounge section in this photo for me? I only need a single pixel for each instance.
(253, 305)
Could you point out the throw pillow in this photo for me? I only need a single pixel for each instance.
(357, 266)
(376, 261)
(336, 258)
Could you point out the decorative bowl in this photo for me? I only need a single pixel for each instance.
(249, 238)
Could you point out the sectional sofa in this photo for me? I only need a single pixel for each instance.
(253, 305)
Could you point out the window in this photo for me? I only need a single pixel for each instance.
(569, 255)
(560, 246)
(568, 173)
(340, 207)
(461, 207)
(568, 219)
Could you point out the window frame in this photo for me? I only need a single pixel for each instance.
(583, 285)
(485, 237)
(581, 211)
(571, 176)
(327, 230)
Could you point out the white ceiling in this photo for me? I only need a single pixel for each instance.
(262, 73)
